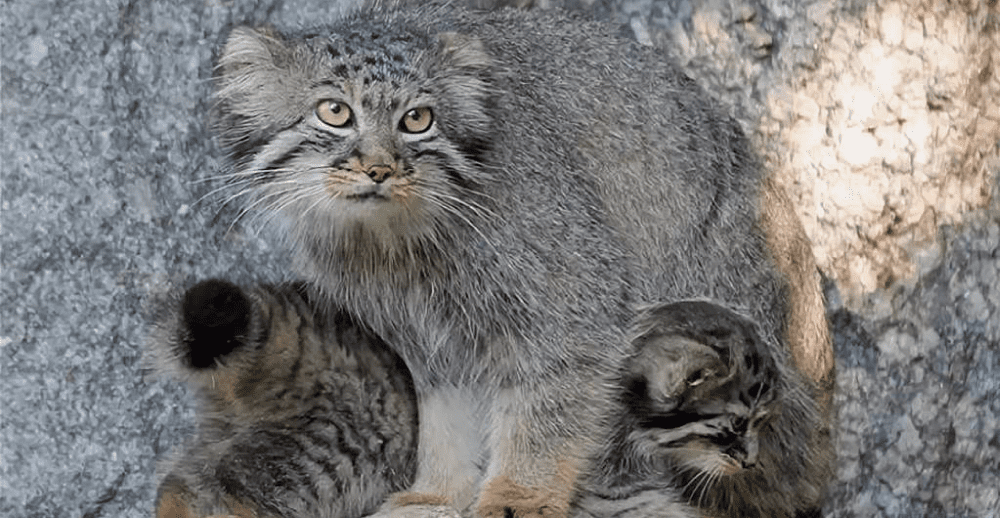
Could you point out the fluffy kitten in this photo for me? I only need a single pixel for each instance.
(703, 398)
(302, 414)
(495, 193)
(301, 417)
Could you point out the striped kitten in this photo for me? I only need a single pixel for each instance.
(305, 417)
(300, 416)
(704, 399)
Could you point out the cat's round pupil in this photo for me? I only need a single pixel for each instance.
(333, 113)
(417, 120)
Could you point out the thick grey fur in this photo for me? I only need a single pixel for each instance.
(574, 177)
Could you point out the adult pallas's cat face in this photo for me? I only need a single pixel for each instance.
(357, 133)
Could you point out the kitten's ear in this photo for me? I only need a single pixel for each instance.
(216, 317)
(194, 331)
(464, 51)
(670, 365)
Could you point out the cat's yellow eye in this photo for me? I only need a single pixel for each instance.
(417, 120)
(334, 113)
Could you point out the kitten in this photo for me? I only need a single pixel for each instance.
(494, 194)
(302, 413)
(303, 417)
(703, 398)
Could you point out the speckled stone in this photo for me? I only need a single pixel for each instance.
(107, 200)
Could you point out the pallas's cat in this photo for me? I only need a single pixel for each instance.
(495, 194)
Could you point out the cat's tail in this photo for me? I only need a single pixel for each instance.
(195, 334)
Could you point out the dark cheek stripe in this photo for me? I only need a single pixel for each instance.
(671, 421)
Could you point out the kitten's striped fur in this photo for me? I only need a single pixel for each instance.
(305, 416)
(302, 414)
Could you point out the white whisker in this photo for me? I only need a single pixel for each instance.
(708, 482)
(280, 206)
(242, 184)
(254, 206)
(443, 204)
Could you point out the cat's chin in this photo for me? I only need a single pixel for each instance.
(362, 225)
(373, 210)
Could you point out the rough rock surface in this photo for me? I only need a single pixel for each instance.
(880, 117)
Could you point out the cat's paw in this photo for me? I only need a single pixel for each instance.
(418, 511)
(504, 498)
(216, 316)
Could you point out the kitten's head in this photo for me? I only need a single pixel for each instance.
(367, 134)
(702, 387)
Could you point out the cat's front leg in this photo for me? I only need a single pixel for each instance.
(450, 453)
(541, 438)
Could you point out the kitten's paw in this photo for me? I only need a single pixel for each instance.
(216, 316)
(504, 498)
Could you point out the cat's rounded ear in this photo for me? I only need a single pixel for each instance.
(463, 51)
(248, 49)
(258, 86)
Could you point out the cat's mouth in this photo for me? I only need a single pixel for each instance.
(368, 195)
(364, 193)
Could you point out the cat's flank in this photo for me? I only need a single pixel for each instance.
(495, 194)
(300, 417)
(301, 414)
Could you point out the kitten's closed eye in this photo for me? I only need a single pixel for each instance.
(698, 377)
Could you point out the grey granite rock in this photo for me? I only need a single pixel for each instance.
(107, 200)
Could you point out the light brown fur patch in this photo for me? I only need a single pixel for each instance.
(239, 509)
(414, 498)
(502, 493)
(172, 504)
(806, 327)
